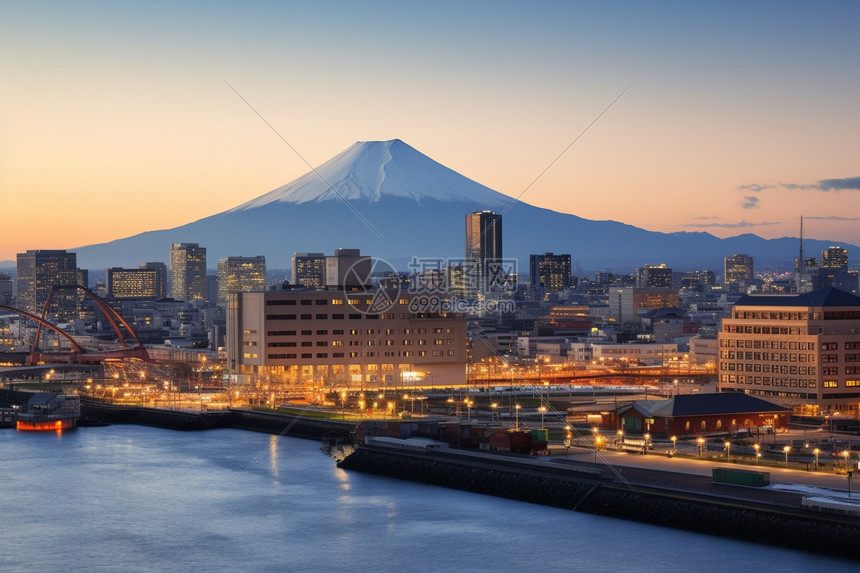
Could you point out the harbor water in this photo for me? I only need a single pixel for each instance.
(133, 498)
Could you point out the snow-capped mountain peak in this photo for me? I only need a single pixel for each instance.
(373, 170)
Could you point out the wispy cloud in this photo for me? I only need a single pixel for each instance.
(845, 184)
(738, 225)
(706, 218)
(755, 187)
(833, 218)
(750, 202)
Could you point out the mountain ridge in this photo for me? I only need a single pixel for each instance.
(412, 206)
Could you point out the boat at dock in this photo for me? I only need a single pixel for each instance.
(50, 412)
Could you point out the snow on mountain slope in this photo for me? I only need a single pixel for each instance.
(374, 170)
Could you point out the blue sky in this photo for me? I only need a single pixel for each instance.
(737, 110)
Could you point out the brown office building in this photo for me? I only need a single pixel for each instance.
(327, 339)
(801, 350)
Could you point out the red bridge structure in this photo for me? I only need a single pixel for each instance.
(78, 354)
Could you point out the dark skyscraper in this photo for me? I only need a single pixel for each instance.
(483, 248)
(308, 269)
(654, 276)
(237, 274)
(132, 283)
(738, 268)
(38, 271)
(834, 258)
(188, 271)
(549, 272)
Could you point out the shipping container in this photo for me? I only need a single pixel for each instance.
(741, 477)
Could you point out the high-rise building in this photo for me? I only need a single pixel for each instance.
(237, 274)
(40, 270)
(738, 268)
(483, 251)
(549, 272)
(308, 270)
(800, 350)
(188, 272)
(654, 276)
(125, 284)
(834, 258)
(347, 269)
(834, 270)
(161, 270)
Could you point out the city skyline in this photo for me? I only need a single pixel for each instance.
(739, 119)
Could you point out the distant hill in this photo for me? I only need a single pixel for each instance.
(393, 202)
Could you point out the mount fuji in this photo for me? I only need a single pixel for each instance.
(395, 203)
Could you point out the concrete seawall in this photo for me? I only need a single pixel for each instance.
(599, 494)
(270, 423)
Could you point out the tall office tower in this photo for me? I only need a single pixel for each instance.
(483, 249)
(161, 270)
(549, 272)
(654, 276)
(738, 268)
(38, 271)
(347, 269)
(188, 271)
(237, 274)
(834, 258)
(308, 270)
(126, 284)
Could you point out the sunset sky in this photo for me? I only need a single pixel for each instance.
(742, 116)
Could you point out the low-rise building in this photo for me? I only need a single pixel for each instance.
(698, 414)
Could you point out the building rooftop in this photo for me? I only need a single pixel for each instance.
(705, 404)
(41, 398)
(827, 297)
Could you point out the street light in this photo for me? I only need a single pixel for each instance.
(620, 439)
(846, 454)
(816, 451)
(701, 442)
(542, 411)
(468, 404)
(645, 446)
(598, 441)
(786, 449)
(728, 446)
(494, 406)
(757, 447)
(343, 406)
(674, 439)
(517, 417)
